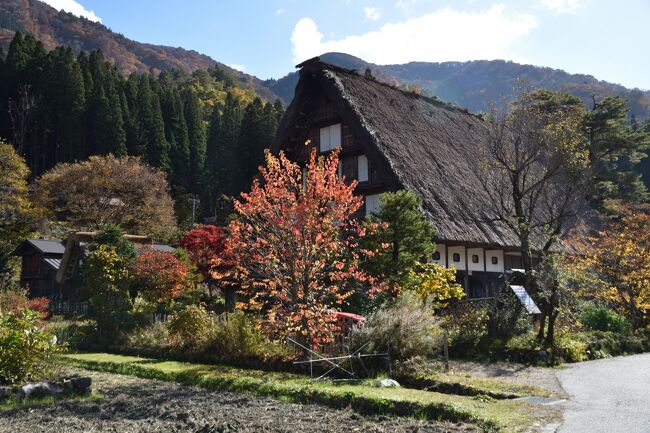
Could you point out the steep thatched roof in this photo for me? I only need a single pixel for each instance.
(428, 146)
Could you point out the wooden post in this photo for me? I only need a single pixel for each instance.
(446, 350)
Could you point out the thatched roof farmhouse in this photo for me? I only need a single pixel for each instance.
(391, 139)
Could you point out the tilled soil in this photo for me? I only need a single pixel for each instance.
(131, 404)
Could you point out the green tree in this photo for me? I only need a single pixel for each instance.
(408, 235)
(615, 149)
(197, 140)
(15, 207)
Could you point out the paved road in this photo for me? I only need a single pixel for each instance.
(607, 396)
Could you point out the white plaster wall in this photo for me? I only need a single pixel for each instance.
(480, 266)
(461, 265)
(499, 267)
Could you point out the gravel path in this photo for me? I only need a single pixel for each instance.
(131, 404)
(608, 396)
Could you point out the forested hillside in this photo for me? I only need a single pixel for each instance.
(54, 28)
(203, 129)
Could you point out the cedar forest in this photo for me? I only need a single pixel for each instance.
(206, 131)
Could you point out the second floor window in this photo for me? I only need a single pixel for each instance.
(330, 137)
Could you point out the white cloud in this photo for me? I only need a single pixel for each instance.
(279, 12)
(405, 5)
(561, 6)
(443, 35)
(373, 14)
(240, 68)
(74, 7)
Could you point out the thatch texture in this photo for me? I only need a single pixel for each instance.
(427, 146)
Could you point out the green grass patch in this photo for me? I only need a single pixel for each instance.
(466, 384)
(12, 403)
(491, 415)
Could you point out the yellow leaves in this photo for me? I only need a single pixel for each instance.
(435, 285)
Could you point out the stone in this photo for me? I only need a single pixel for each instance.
(39, 389)
(5, 392)
(387, 383)
(81, 383)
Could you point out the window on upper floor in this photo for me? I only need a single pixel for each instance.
(330, 137)
(495, 260)
(372, 203)
(362, 168)
(474, 258)
(456, 257)
(436, 255)
(350, 168)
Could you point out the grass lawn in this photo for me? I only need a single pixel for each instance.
(12, 403)
(468, 384)
(490, 414)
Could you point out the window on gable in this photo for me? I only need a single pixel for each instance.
(475, 258)
(362, 168)
(456, 257)
(436, 255)
(350, 168)
(330, 137)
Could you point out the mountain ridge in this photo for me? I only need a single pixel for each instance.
(54, 28)
(474, 84)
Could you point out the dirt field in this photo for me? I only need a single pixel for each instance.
(136, 405)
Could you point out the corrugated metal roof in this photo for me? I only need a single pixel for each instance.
(163, 247)
(525, 299)
(47, 246)
(53, 263)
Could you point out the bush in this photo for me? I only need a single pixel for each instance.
(604, 319)
(26, 351)
(81, 335)
(404, 329)
(191, 327)
(16, 300)
(155, 336)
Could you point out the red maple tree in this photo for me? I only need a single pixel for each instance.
(160, 276)
(207, 249)
(298, 252)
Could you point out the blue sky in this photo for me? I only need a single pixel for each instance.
(605, 38)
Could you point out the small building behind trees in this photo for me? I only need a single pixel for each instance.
(51, 268)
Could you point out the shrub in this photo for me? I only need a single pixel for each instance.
(106, 286)
(405, 329)
(155, 336)
(191, 327)
(16, 300)
(81, 335)
(604, 319)
(26, 351)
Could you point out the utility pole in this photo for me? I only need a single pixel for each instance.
(195, 201)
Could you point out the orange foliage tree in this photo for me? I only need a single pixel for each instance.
(160, 276)
(298, 252)
(615, 267)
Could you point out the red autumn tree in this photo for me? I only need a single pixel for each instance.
(298, 254)
(160, 276)
(206, 246)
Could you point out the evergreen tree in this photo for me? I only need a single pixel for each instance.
(227, 148)
(151, 141)
(212, 161)
(615, 149)
(177, 136)
(252, 142)
(197, 139)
